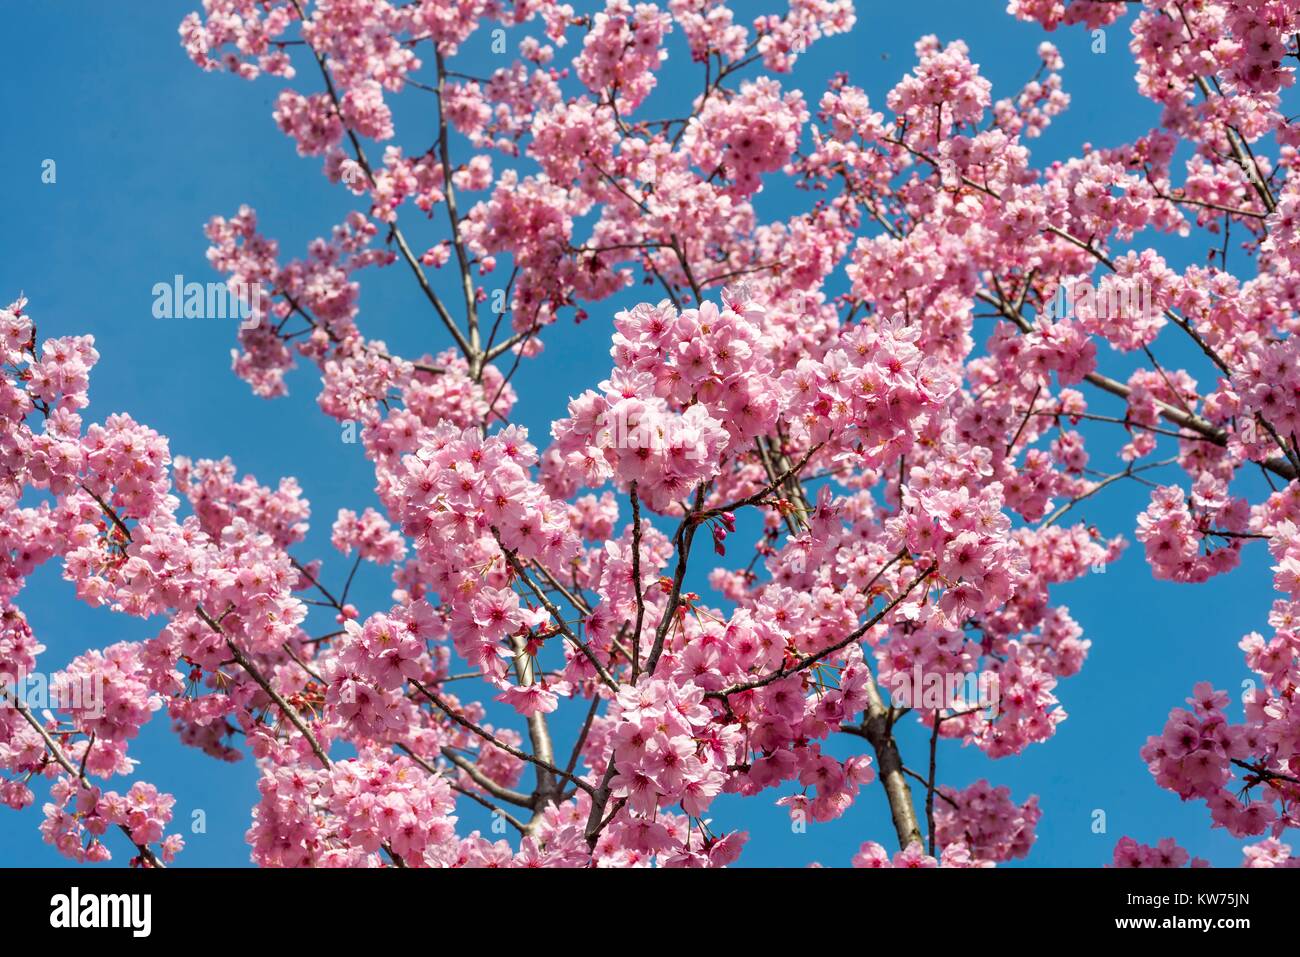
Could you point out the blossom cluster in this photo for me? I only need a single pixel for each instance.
(874, 399)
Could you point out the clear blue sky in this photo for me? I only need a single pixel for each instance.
(148, 147)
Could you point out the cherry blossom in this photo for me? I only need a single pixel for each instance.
(886, 409)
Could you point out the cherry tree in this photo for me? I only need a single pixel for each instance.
(895, 387)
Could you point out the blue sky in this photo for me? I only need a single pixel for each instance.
(148, 148)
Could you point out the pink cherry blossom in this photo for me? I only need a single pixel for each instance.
(886, 395)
